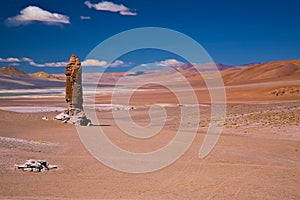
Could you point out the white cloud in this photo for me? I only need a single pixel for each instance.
(49, 64)
(13, 60)
(34, 13)
(14, 64)
(26, 59)
(128, 13)
(112, 7)
(117, 63)
(16, 61)
(88, 62)
(94, 63)
(121, 63)
(161, 64)
(168, 63)
(144, 65)
(10, 60)
(85, 17)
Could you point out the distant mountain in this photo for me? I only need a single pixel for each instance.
(269, 71)
(17, 73)
(285, 70)
(187, 67)
(43, 75)
(13, 78)
(13, 72)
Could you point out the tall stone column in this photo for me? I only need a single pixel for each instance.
(74, 113)
(74, 83)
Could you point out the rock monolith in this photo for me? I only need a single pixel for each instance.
(73, 94)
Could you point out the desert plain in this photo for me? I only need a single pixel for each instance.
(257, 155)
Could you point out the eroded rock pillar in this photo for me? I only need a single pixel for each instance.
(74, 113)
(74, 83)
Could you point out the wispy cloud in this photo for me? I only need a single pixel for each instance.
(36, 14)
(117, 63)
(13, 59)
(88, 62)
(168, 63)
(16, 61)
(8, 60)
(112, 7)
(26, 59)
(48, 64)
(94, 63)
(14, 64)
(160, 64)
(120, 63)
(85, 17)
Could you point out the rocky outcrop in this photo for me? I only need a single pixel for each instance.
(74, 113)
(74, 83)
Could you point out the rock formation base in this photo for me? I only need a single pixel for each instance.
(74, 116)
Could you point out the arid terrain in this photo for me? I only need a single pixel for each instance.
(256, 157)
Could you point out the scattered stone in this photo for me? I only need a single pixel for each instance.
(132, 108)
(45, 118)
(35, 166)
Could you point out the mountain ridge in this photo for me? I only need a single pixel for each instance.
(283, 70)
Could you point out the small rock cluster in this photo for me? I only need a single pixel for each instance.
(35, 166)
(74, 116)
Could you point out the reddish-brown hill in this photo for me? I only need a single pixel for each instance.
(13, 72)
(13, 78)
(43, 75)
(265, 72)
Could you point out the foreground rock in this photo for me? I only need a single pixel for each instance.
(35, 166)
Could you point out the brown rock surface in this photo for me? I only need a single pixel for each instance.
(73, 83)
(75, 113)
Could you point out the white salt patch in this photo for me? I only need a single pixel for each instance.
(29, 109)
(100, 107)
(17, 141)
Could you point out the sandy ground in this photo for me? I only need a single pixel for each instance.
(256, 157)
(247, 162)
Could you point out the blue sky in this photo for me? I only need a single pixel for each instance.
(41, 35)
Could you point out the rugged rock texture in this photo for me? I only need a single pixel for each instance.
(73, 83)
(75, 113)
